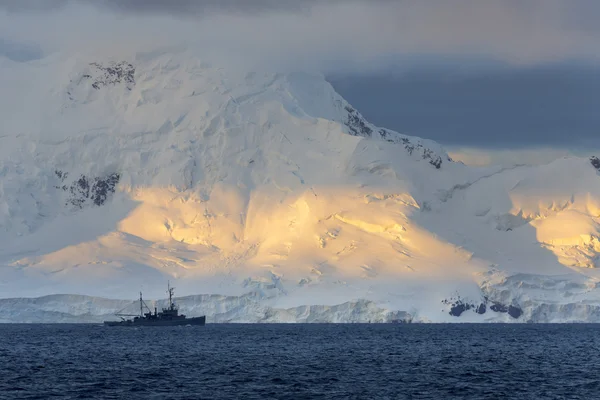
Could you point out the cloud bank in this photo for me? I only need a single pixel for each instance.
(552, 106)
(324, 35)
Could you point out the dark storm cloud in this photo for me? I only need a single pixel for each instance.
(174, 7)
(32, 5)
(185, 7)
(319, 34)
(503, 108)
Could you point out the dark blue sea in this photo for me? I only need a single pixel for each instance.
(234, 361)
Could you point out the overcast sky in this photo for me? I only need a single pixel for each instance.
(468, 73)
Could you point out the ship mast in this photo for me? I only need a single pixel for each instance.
(141, 306)
(170, 291)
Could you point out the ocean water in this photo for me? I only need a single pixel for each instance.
(462, 361)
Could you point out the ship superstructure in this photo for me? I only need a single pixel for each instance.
(169, 316)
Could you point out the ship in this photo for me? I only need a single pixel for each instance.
(168, 317)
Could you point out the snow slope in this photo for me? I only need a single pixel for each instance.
(267, 197)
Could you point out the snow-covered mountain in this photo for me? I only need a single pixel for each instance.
(267, 197)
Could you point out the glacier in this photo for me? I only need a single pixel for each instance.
(266, 197)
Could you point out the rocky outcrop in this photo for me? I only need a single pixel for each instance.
(595, 161)
(359, 127)
(86, 189)
(513, 311)
(112, 74)
(459, 306)
(356, 124)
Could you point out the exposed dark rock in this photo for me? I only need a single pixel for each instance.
(356, 124)
(410, 147)
(514, 312)
(83, 189)
(426, 154)
(122, 72)
(61, 175)
(102, 188)
(80, 191)
(358, 127)
(497, 307)
(595, 162)
(458, 306)
(436, 162)
(385, 135)
(481, 309)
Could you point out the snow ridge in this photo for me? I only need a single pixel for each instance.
(358, 126)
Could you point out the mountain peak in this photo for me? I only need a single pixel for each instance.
(161, 166)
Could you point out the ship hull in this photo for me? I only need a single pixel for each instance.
(157, 322)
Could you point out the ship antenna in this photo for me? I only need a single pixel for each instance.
(170, 290)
